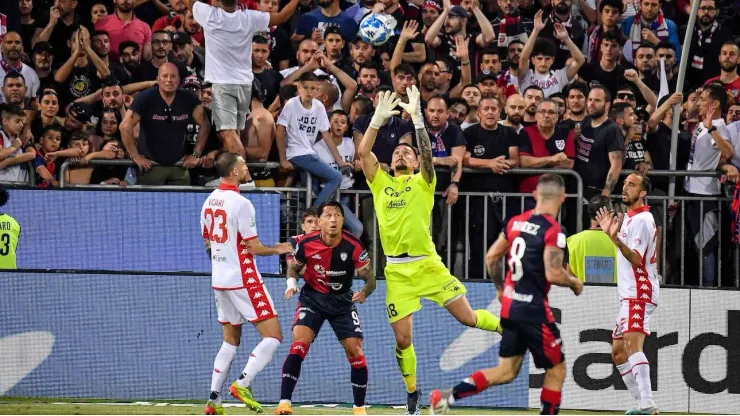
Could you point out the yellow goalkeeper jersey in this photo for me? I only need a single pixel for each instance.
(10, 230)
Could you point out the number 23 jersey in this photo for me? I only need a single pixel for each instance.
(526, 287)
(227, 220)
(640, 234)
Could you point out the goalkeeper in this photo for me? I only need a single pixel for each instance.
(403, 204)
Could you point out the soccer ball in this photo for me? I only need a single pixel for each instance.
(376, 29)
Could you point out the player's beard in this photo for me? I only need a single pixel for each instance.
(728, 66)
(628, 202)
(401, 167)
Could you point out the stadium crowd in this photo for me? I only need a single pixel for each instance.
(577, 85)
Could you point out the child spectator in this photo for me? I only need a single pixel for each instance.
(45, 163)
(12, 157)
(109, 175)
(76, 174)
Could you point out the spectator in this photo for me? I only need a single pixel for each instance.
(592, 256)
(415, 51)
(646, 66)
(83, 73)
(368, 80)
(268, 77)
(258, 138)
(164, 113)
(205, 171)
(45, 162)
(13, 157)
(339, 127)
(445, 76)
(43, 63)
(161, 45)
(185, 55)
(458, 111)
(709, 146)
(123, 26)
(729, 57)
(706, 42)
(514, 112)
(279, 45)
(636, 154)
(562, 15)
(47, 115)
(78, 115)
(486, 83)
(533, 96)
(510, 25)
(454, 19)
(101, 46)
(576, 105)
(609, 11)
(79, 173)
(600, 147)
(107, 174)
(300, 121)
(12, 52)
(14, 89)
(334, 47)
(667, 52)
(320, 60)
(172, 21)
(493, 147)
(129, 55)
(362, 8)
(98, 11)
(607, 70)
(107, 128)
(648, 25)
(361, 53)
(559, 99)
(404, 77)
(28, 23)
(57, 27)
(313, 24)
(427, 80)
(472, 96)
(544, 145)
(361, 106)
(385, 61)
(543, 54)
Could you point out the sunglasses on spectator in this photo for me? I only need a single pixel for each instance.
(626, 96)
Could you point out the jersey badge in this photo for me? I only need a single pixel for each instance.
(343, 256)
(560, 144)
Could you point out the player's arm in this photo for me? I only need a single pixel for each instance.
(384, 110)
(494, 261)
(256, 248)
(294, 266)
(366, 273)
(556, 274)
(413, 107)
(207, 243)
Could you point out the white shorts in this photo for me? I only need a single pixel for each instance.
(244, 305)
(633, 316)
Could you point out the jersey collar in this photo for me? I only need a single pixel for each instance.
(226, 187)
(634, 212)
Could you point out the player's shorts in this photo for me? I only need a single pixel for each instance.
(633, 316)
(237, 306)
(230, 105)
(314, 308)
(541, 339)
(407, 283)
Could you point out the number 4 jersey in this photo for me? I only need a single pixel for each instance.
(526, 287)
(640, 234)
(227, 221)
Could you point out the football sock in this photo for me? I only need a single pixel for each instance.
(221, 367)
(474, 384)
(641, 371)
(550, 401)
(292, 369)
(359, 377)
(629, 379)
(487, 321)
(407, 364)
(258, 360)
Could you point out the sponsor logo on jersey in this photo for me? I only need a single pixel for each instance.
(319, 269)
(261, 304)
(335, 286)
(257, 295)
(251, 281)
(363, 256)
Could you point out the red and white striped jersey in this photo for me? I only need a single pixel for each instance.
(227, 220)
(640, 234)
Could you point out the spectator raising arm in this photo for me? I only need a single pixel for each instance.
(486, 35)
(127, 135)
(350, 85)
(312, 65)
(275, 18)
(43, 34)
(432, 37)
(410, 31)
(658, 115)
(539, 25)
(466, 77)
(100, 66)
(561, 33)
(632, 76)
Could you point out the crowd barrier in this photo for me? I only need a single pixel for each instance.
(154, 336)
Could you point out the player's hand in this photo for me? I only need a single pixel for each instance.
(359, 297)
(451, 194)
(289, 292)
(143, 163)
(190, 162)
(605, 219)
(385, 108)
(616, 225)
(286, 165)
(576, 286)
(413, 107)
(283, 248)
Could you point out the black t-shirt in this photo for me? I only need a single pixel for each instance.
(592, 153)
(27, 32)
(451, 137)
(118, 72)
(279, 44)
(164, 128)
(593, 73)
(659, 146)
(270, 80)
(489, 144)
(388, 137)
(59, 36)
(634, 153)
(82, 81)
(146, 71)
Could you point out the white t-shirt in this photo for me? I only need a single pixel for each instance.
(229, 42)
(31, 78)
(705, 155)
(346, 150)
(227, 220)
(319, 73)
(734, 131)
(552, 82)
(302, 126)
(15, 173)
(639, 233)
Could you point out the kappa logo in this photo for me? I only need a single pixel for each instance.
(251, 281)
(636, 307)
(244, 253)
(636, 325)
(264, 313)
(316, 256)
(642, 279)
(644, 296)
(261, 304)
(258, 295)
(644, 287)
(636, 316)
(249, 270)
(343, 256)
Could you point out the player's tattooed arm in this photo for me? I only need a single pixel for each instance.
(293, 268)
(494, 260)
(615, 160)
(425, 155)
(367, 274)
(556, 274)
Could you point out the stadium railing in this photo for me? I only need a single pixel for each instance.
(676, 251)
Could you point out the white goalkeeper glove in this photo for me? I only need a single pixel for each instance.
(384, 110)
(413, 107)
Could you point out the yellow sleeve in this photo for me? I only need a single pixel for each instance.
(379, 182)
(418, 178)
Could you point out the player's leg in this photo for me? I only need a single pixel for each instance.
(231, 322)
(621, 361)
(262, 354)
(406, 359)
(552, 388)
(545, 344)
(633, 344)
(483, 319)
(346, 326)
(306, 325)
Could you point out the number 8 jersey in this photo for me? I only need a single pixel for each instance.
(227, 221)
(526, 287)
